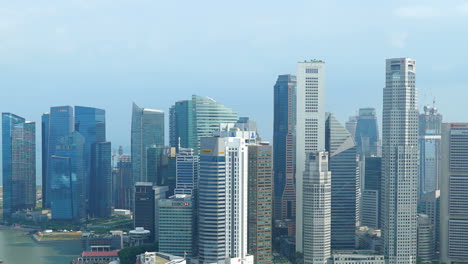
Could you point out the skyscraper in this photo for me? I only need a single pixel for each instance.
(351, 125)
(100, 202)
(60, 124)
(44, 156)
(310, 126)
(147, 130)
(19, 164)
(284, 147)
(430, 125)
(91, 124)
(67, 178)
(425, 239)
(342, 164)
(186, 171)
(317, 209)
(260, 202)
(400, 161)
(429, 204)
(223, 197)
(177, 232)
(453, 194)
(371, 202)
(123, 183)
(196, 118)
(146, 207)
(367, 133)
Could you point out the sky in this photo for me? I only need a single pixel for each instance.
(110, 53)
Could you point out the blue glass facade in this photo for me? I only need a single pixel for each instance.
(91, 124)
(100, 202)
(44, 141)
(284, 147)
(344, 184)
(19, 164)
(186, 171)
(367, 133)
(61, 123)
(181, 124)
(67, 183)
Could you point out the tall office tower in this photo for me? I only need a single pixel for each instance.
(146, 207)
(147, 131)
(429, 204)
(67, 178)
(177, 232)
(342, 164)
(260, 202)
(371, 202)
(430, 125)
(367, 133)
(453, 194)
(19, 164)
(317, 209)
(44, 158)
(186, 172)
(400, 162)
(223, 197)
(181, 125)
(310, 126)
(91, 124)
(284, 147)
(100, 202)
(123, 182)
(425, 236)
(60, 123)
(196, 118)
(351, 125)
(161, 167)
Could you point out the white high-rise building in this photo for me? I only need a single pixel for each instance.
(453, 194)
(317, 209)
(223, 195)
(400, 162)
(310, 127)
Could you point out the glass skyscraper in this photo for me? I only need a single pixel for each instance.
(67, 178)
(123, 182)
(147, 131)
(19, 164)
(100, 202)
(430, 130)
(367, 133)
(342, 164)
(284, 147)
(196, 118)
(186, 171)
(371, 201)
(60, 123)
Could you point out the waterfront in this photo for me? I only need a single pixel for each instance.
(17, 247)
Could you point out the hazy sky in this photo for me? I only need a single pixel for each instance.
(109, 53)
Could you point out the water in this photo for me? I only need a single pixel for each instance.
(17, 247)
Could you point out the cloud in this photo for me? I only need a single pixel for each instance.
(399, 39)
(417, 12)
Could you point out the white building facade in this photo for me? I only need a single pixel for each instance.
(310, 127)
(400, 160)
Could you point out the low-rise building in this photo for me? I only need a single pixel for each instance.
(159, 258)
(357, 257)
(96, 257)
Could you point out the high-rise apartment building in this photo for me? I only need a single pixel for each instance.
(196, 118)
(260, 202)
(284, 147)
(430, 125)
(177, 231)
(223, 196)
(310, 127)
(67, 178)
(453, 194)
(57, 123)
(147, 130)
(317, 209)
(400, 162)
(19, 164)
(367, 133)
(342, 163)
